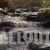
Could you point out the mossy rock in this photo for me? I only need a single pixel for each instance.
(44, 16)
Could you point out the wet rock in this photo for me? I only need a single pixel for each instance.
(33, 9)
(45, 24)
(7, 25)
(11, 10)
(32, 17)
(33, 46)
(18, 11)
(22, 24)
(44, 15)
(25, 14)
(25, 10)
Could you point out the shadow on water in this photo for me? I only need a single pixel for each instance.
(45, 24)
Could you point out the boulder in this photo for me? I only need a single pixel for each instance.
(25, 10)
(11, 10)
(7, 25)
(31, 17)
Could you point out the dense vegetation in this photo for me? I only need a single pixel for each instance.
(24, 3)
(33, 3)
(5, 3)
(29, 3)
(46, 3)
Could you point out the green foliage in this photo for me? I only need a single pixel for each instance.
(24, 3)
(46, 4)
(32, 3)
(7, 3)
(29, 3)
(14, 3)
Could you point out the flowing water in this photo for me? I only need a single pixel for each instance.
(29, 26)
